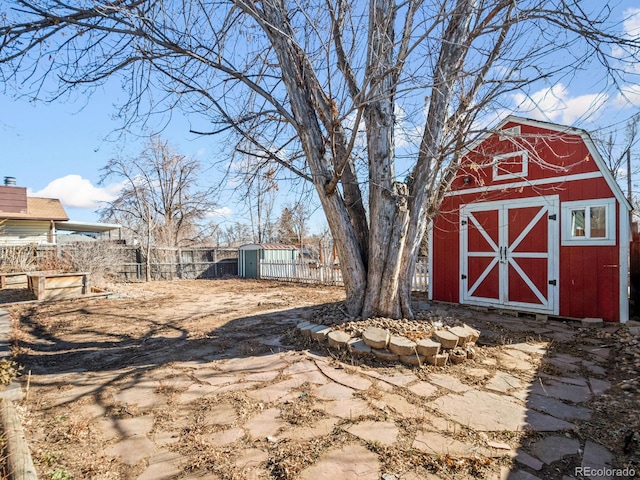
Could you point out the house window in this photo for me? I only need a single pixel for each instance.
(511, 165)
(589, 222)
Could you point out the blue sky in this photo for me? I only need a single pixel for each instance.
(57, 150)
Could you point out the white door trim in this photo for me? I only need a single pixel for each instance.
(550, 207)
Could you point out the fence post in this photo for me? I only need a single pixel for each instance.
(179, 266)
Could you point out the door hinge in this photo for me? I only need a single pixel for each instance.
(552, 216)
(463, 276)
(464, 222)
(552, 282)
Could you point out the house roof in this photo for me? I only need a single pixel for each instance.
(267, 246)
(39, 209)
(87, 227)
(586, 138)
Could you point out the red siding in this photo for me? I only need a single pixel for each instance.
(446, 254)
(589, 283)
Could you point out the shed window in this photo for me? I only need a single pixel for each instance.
(511, 165)
(589, 222)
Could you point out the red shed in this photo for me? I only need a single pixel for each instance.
(535, 222)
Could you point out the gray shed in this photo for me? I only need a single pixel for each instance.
(250, 256)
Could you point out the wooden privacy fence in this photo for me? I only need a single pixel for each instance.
(122, 262)
(180, 263)
(304, 272)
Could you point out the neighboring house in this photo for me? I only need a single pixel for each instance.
(28, 220)
(534, 222)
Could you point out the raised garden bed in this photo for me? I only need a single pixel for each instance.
(13, 280)
(50, 286)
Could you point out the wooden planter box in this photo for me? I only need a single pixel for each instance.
(48, 286)
(14, 279)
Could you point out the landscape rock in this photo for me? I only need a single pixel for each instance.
(402, 346)
(358, 347)
(385, 355)
(338, 339)
(303, 324)
(457, 355)
(462, 333)
(447, 339)
(320, 333)
(592, 322)
(427, 347)
(439, 360)
(635, 331)
(474, 334)
(375, 337)
(306, 328)
(415, 359)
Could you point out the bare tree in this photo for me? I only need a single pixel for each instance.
(237, 234)
(300, 80)
(293, 224)
(161, 200)
(257, 184)
(615, 152)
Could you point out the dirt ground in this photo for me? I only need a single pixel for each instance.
(156, 332)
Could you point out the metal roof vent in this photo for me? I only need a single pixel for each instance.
(9, 181)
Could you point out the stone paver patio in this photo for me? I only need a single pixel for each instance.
(502, 402)
(371, 409)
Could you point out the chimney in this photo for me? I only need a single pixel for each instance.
(12, 199)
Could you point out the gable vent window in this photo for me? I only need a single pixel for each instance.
(509, 133)
(511, 165)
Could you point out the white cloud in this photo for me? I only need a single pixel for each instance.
(220, 212)
(630, 30)
(78, 192)
(631, 22)
(629, 96)
(557, 105)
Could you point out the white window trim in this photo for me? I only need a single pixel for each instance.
(610, 224)
(505, 176)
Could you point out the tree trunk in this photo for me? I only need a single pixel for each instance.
(387, 198)
(300, 81)
(377, 276)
